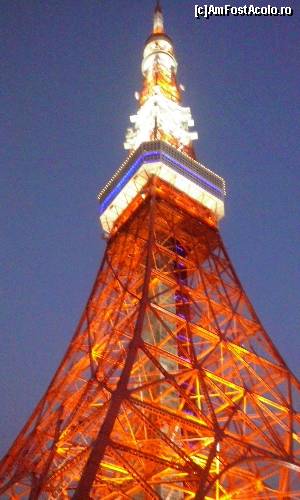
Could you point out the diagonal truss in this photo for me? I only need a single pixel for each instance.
(171, 388)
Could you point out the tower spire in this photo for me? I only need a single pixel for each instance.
(158, 21)
(160, 115)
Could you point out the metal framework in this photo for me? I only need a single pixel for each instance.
(170, 388)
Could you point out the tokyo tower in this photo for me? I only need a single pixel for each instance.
(170, 388)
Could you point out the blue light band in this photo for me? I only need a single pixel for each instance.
(148, 158)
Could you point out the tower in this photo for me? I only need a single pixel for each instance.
(170, 387)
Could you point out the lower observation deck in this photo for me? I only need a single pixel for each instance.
(157, 158)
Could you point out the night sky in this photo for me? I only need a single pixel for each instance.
(69, 70)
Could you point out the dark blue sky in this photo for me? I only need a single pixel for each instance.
(70, 69)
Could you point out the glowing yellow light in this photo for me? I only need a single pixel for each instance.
(199, 460)
(259, 485)
(61, 450)
(114, 467)
(96, 352)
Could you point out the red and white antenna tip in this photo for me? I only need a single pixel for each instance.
(158, 22)
(158, 7)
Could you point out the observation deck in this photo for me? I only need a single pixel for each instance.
(157, 158)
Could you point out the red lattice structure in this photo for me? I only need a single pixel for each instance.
(170, 388)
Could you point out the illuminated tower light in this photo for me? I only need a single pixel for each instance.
(180, 171)
(170, 388)
(160, 110)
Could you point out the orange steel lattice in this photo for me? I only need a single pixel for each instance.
(170, 388)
